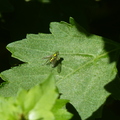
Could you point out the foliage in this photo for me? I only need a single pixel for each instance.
(39, 103)
(88, 67)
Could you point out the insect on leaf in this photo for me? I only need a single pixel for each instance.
(55, 61)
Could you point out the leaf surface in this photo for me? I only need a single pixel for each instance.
(89, 64)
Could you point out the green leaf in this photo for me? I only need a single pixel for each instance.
(46, 101)
(89, 65)
(44, 1)
(40, 102)
(59, 112)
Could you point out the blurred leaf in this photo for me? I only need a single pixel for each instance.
(40, 102)
(45, 1)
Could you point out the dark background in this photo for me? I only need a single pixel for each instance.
(18, 18)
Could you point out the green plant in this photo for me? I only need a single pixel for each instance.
(88, 67)
(39, 103)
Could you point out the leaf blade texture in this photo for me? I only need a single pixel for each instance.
(89, 65)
